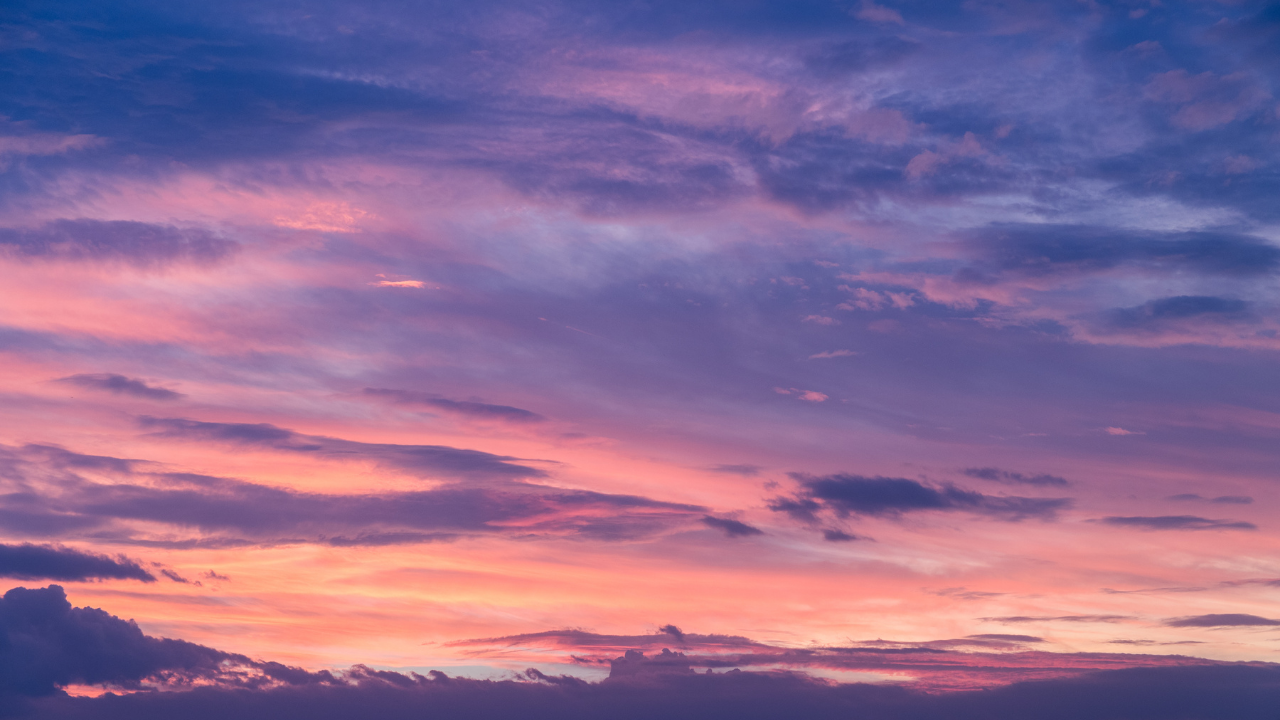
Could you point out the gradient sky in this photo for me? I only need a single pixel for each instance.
(919, 343)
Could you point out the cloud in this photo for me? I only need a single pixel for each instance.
(222, 512)
(478, 410)
(731, 528)
(878, 13)
(48, 644)
(745, 470)
(1120, 432)
(1221, 499)
(1015, 619)
(1009, 638)
(844, 494)
(53, 562)
(135, 243)
(418, 459)
(1222, 620)
(1182, 307)
(1039, 250)
(121, 385)
(980, 660)
(832, 354)
(1177, 522)
(1013, 478)
(1206, 100)
(663, 686)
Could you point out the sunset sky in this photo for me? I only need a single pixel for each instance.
(924, 344)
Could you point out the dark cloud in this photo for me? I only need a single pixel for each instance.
(853, 56)
(227, 511)
(425, 459)
(53, 562)
(731, 528)
(984, 660)
(1014, 478)
(1221, 499)
(1232, 500)
(136, 243)
(1222, 620)
(839, 536)
(676, 633)
(47, 644)
(1177, 522)
(121, 385)
(845, 494)
(664, 688)
(174, 576)
(1009, 638)
(479, 410)
(1181, 307)
(1040, 250)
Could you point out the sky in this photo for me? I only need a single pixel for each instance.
(842, 358)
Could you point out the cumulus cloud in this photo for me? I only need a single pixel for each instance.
(49, 644)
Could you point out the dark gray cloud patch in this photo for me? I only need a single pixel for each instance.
(1176, 522)
(466, 408)
(845, 495)
(229, 512)
(1165, 311)
(47, 644)
(1039, 250)
(1222, 620)
(121, 385)
(1221, 499)
(53, 562)
(1015, 478)
(134, 243)
(665, 685)
(1008, 638)
(731, 528)
(423, 459)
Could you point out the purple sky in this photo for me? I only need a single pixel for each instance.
(569, 351)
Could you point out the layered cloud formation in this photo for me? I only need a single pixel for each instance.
(336, 337)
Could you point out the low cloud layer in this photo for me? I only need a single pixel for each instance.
(843, 495)
(428, 460)
(1177, 522)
